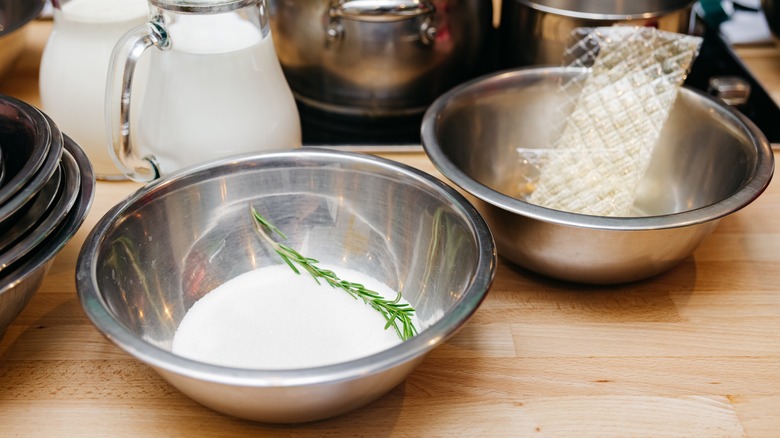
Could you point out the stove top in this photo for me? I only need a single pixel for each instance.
(716, 61)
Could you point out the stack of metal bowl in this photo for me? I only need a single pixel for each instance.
(46, 188)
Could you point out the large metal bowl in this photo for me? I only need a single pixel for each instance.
(14, 16)
(20, 283)
(709, 162)
(150, 257)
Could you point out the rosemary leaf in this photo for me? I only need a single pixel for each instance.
(393, 311)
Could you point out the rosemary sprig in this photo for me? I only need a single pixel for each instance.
(393, 311)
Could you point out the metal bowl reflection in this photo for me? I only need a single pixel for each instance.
(709, 163)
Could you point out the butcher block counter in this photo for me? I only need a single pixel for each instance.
(692, 352)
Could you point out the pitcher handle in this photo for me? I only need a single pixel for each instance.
(118, 87)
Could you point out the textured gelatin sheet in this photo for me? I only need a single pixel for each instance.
(609, 127)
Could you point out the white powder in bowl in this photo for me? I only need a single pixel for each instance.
(272, 318)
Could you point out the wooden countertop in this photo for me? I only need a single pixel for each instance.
(692, 352)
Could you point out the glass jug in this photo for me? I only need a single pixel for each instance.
(215, 88)
(73, 70)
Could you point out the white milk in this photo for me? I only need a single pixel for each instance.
(219, 91)
(272, 318)
(74, 66)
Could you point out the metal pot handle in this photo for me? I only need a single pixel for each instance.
(382, 11)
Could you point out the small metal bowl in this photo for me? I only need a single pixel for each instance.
(32, 147)
(19, 283)
(153, 255)
(56, 214)
(709, 162)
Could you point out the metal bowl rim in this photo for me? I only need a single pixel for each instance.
(51, 161)
(97, 310)
(20, 185)
(596, 16)
(31, 15)
(67, 197)
(755, 183)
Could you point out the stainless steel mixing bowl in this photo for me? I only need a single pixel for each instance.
(19, 283)
(153, 255)
(709, 162)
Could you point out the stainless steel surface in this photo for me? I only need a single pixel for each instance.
(14, 15)
(372, 58)
(153, 255)
(536, 32)
(18, 285)
(26, 139)
(710, 162)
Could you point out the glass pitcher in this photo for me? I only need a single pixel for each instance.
(74, 64)
(215, 88)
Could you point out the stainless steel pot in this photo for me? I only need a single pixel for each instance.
(536, 32)
(378, 58)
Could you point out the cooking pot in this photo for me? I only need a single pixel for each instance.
(536, 32)
(378, 58)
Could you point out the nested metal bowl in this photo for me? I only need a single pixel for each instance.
(153, 255)
(32, 146)
(14, 17)
(709, 162)
(21, 280)
(45, 225)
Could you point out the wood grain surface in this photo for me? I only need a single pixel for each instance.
(692, 352)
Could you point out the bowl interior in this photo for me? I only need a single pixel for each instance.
(26, 139)
(486, 130)
(175, 241)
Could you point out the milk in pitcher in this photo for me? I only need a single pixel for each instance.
(74, 66)
(218, 91)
